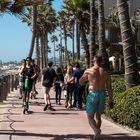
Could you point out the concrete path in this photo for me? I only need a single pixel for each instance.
(62, 124)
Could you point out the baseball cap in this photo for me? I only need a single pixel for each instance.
(28, 59)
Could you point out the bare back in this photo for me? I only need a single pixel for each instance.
(97, 78)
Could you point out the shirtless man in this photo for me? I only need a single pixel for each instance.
(99, 80)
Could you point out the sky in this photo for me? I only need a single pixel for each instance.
(15, 36)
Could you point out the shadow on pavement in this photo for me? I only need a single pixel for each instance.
(121, 136)
(53, 136)
(51, 113)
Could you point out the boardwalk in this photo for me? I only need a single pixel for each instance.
(61, 124)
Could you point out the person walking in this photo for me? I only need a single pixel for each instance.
(59, 84)
(23, 64)
(78, 89)
(69, 85)
(48, 79)
(37, 71)
(99, 80)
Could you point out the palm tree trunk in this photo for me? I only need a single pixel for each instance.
(47, 49)
(54, 53)
(66, 49)
(37, 50)
(84, 42)
(92, 30)
(77, 40)
(44, 49)
(61, 48)
(73, 42)
(65, 45)
(41, 53)
(34, 20)
(130, 59)
(102, 48)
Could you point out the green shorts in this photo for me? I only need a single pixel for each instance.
(95, 102)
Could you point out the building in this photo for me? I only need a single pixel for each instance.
(133, 5)
(113, 32)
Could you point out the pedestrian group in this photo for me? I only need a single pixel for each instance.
(71, 81)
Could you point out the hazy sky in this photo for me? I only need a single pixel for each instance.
(15, 36)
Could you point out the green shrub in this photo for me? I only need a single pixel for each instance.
(127, 108)
(118, 84)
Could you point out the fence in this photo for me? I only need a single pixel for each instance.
(8, 83)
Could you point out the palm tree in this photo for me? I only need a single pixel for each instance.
(34, 30)
(63, 18)
(135, 26)
(46, 23)
(78, 13)
(54, 39)
(130, 60)
(37, 47)
(60, 47)
(34, 27)
(92, 31)
(102, 48)
(16, 7)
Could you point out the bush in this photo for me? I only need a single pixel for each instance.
(127, 108)
(118, 84)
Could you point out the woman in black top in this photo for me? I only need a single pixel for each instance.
(28, 74)
(59, 83)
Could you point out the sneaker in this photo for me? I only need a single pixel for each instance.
(51, 108)
(97, 134)
(27, 105)
(59, 103)
(66, 105)
(45, 108)
(70, 106)
(74, 105)
(78, 109)
(20, 97)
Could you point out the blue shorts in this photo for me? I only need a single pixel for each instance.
(95, 102)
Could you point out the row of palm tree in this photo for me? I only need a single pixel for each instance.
(85, 16)
(130, 60)
(44, 22)
(75, 15)
(79, 13)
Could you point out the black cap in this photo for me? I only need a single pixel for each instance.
(28, 59)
